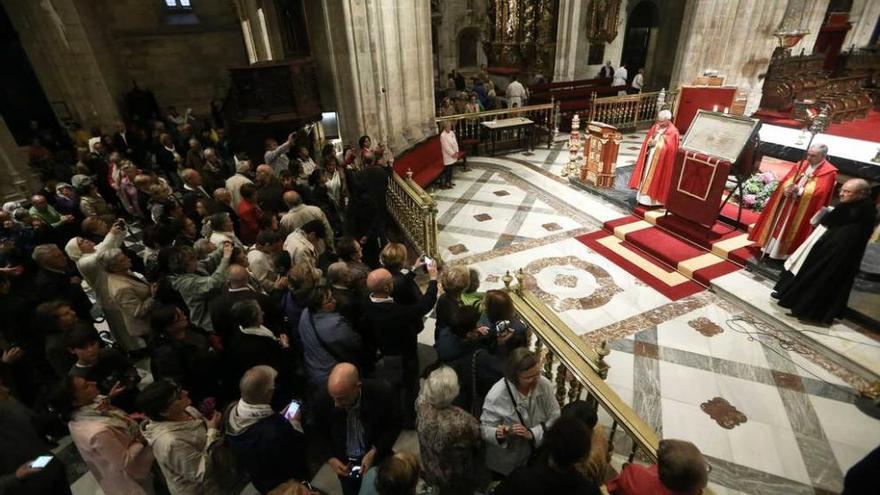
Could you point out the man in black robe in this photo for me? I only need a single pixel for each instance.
(817, 290)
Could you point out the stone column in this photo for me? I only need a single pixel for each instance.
(14, 172)
(736, 39)
(380, 54)
(567, 36)
(864, 16)
(70, 57)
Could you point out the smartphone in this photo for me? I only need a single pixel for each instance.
(292, 409)
(41, 462)
(355, 471)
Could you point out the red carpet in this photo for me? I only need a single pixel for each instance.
(635, 264)
(866, 129)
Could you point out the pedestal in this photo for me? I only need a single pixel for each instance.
(600, 154)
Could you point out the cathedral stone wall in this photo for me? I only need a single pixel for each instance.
(182, 58)
(86, 53)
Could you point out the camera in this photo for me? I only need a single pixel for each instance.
(501, 328)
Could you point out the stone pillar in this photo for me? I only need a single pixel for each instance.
(567, 37)
(864, 16)
(263, 32)
(380, 53)
(15, 175)
(70, 57)
(736, 39)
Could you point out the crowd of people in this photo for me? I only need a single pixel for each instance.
(256, 323)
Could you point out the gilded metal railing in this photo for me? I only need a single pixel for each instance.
(415, 212)
(578, 370)
(467, 125)
(631, 111)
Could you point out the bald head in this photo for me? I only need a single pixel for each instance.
(854, 190)
(380, 282)
(192, 177)
(344, 385)
(292, 199)
(38, 201)
(238, 276)
(264, 169)
(222, 195)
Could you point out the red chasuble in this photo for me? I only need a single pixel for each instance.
(792, 215)
(659, 175)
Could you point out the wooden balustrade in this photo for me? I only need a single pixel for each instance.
(415, 212)
(579, 371)
(467, 125)
(630, 112)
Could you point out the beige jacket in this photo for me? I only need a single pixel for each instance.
(190, 455)
(119, 463)
(134, 300)
(300, 249)
(300, 215)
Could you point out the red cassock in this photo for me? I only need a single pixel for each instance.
(659, 177)
(792, 216)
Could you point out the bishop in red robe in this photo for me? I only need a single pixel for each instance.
(652, 174)
(785, 222)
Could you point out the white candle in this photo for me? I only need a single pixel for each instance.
(715, 108)
(726, 109)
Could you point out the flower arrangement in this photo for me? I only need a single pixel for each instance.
(757, 190)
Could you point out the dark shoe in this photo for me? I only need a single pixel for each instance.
(774, 295)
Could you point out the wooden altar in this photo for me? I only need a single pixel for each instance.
(600, 154)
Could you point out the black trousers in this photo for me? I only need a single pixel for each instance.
(446, 177)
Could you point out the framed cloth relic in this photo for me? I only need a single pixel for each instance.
(712, 144)
(718, 134)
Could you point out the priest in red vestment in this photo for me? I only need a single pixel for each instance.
(652, 174)
(785, 222)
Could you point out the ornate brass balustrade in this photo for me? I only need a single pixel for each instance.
(415, 212)
(631, 112)
(467, 125)
(579, 370)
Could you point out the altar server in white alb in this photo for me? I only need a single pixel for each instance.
(516, 93)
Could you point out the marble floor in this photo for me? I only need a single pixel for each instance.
(773, 414)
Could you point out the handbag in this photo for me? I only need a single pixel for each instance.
(534, 453)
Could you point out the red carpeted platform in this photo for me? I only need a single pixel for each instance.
(723, 239)
(649, 271)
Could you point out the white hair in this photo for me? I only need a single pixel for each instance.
(821, 148)
(441, 387)
(42, 251)
(664, 115)
(107, 258)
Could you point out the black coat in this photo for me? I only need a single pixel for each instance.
(20, 443)
(191, 362)
(540, 479)
(270, 450)
(49, 286)
(820, 290)
(270, 197)
(378, 415)
(393, 328)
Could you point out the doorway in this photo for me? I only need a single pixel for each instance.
(468, 43)
(641, 23)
